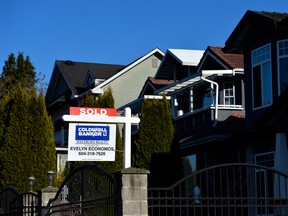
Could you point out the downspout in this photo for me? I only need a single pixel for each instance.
(216, 102)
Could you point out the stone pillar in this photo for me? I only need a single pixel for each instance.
(131, 192)
(47, 194)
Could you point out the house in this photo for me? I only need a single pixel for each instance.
(71, 81)
(147, 92)
(127, 84)
(263, 39)
(207, 100)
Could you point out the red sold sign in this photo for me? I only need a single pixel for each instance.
(93, 111)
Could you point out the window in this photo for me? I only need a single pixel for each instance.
(90, 81)
(282, 65)
(189, 164)
(209, 97)
(261, 77)
(266, 159)
(264, 183)
(229, 93)
(183, 102)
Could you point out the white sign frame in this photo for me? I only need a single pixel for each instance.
(91, 145)
(127, 119)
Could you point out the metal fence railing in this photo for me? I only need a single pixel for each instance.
(88, 190)
(226, 190)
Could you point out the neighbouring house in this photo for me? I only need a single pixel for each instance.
(71, 81)
(150, 86)
(263, 39)
(207, 99)
(147, 92)
(127, 84)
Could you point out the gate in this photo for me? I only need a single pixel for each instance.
(6, 197)
(14, 203)
(28, 203)
(224, 190)
(88, 190)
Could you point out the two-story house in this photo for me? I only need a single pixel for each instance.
(263, 39)
(71, 81)
(207, 103)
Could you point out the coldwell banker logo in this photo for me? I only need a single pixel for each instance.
(90, 132)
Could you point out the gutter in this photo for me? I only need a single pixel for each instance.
(207, 73)
(216, 102)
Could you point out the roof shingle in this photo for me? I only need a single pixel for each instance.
(76, 72)
(232, 60)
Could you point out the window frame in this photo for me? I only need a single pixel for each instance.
(279, 57)
(256, 156)
(261, 65)
(228, 96)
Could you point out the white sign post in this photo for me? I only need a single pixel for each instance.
(127, 120)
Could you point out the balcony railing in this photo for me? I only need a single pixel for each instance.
(203, 119)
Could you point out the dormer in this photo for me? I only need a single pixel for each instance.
(178, 64)
(90, 80)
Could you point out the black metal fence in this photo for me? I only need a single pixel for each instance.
(12, 202)
(224, 190)
(6, 197)
(88, 190)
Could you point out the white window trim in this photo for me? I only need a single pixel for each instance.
(225, 96)
(267, 105)
(278, 64)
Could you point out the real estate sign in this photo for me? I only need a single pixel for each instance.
(93, 111)
(91, 142)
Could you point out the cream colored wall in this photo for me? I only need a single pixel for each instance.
(128, 86)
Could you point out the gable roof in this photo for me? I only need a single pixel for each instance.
(226, 60)
(154, 84)
(180, 56)
(217, 62)
(273, 15)
(253, 24)
(186, 57)
(155, 51)
(75, 74)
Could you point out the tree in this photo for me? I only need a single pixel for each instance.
(155, 140)
(26, 131)
(156, 131)
(105, 100)
(16, 71)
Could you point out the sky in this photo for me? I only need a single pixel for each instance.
(116, 32)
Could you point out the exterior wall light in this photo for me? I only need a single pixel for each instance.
(50, 177)
(31, 183)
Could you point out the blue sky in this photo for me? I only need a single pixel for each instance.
(116, 32)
